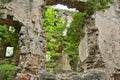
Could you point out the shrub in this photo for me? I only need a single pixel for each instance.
(7, 69)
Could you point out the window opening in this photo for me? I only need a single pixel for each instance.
(9, 51)
(60, 52)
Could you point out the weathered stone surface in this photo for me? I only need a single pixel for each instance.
(89, 50)
(95, 75)
(100, 47)
(108, 23)
(101, 44)
(65, 62)
(32, 35)
(83, 49)
(89, 75)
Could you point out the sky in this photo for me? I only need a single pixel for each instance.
(63, 7)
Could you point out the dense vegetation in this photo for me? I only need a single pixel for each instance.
(57, 42)
(95, 5)
(8, 37)
(53, 23)
(54, 26)
(7, 69)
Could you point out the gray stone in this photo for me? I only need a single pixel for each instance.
(100, 47)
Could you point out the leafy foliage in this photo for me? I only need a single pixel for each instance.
(8, 36)
(96, 5)
(7, 69)
(56, 42)
(53, 24)
(76, 32)
(74, 35)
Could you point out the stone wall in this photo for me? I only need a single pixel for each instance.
(99, 50)
(89, 75)
(108, 23)
(32, 36)
(100, 47)
(89, 48)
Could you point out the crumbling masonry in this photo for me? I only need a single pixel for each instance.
(101, 43)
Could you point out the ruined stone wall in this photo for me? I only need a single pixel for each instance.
(99, 50)
(108, 24)
(89, 48)
(100, 47)
(32, 36)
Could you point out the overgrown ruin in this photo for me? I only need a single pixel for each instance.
(99, 49)
(32, 36)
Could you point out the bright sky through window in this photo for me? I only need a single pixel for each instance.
(9, 51)
(63, 7)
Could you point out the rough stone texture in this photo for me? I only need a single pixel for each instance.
(28, 14)
(108, 23)
(65, 62)
(89, 50)
(89, 75)
(102, 40)
(100, 47)
(32, 36)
